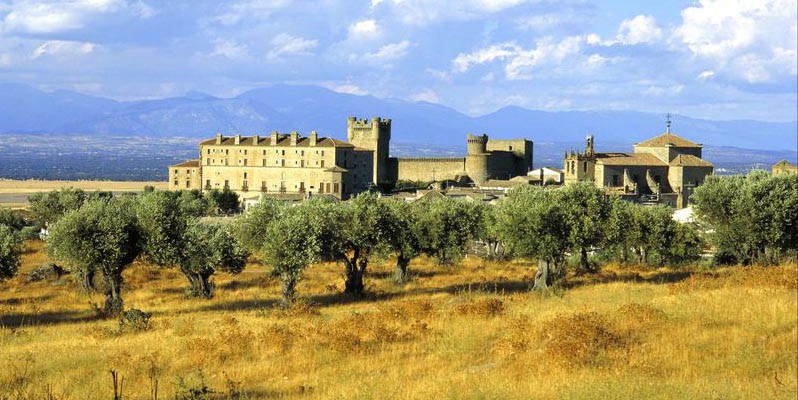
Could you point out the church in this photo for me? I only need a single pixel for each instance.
(662, 170)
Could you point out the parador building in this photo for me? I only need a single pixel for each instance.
(283, 164)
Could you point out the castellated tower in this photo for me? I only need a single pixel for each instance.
(373, 135)
(477, 158)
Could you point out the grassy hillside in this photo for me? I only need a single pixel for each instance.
(473, 331)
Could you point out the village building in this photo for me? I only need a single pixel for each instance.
(661, 170)
(548, 175)
(784, 167)
(290, 165)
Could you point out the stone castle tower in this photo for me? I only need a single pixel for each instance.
(477, 158)
(372, 135)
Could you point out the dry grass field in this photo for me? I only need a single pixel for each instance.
(14, 193)
(468, 332)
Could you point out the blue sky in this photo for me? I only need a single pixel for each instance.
(719, 59)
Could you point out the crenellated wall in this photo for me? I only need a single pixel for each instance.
(427, 169)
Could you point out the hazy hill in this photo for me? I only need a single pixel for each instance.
(304, 108)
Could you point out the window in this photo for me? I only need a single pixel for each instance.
(208, 182)
(302, 153)
(322, 152)
(264, 162)
(264, 152)
(188, 184)
(335, 187)
(616, 180)
(175, 172)
(302, 164)
(322, 163)
(321, 187)
(245, 175)
(226, 183)
(245, 162)
(226, 151)
(175, 183)
(245, 152)
(209, 151)
(584, 166)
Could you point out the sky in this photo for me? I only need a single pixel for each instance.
(717, 59)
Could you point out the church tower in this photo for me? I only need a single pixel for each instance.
(373, 135)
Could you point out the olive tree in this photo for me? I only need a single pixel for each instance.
(533, 222)
(621, 230)
(297, 237)
(100, 236)
(752, 219)
(404, 236)
(363, 225)
(10, 249)
(252, 226)
(587, 210)
(49, 207)
(11, 218)
(173, 236)
(447, 227)
(209, 247)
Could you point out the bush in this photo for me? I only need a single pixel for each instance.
(134, 320)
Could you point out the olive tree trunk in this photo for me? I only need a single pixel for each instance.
(288, 289)
(400, 276)
(113, 295)
(355, 269)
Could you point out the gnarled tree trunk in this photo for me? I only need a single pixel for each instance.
(86, 280)
(400, 276)
(288, 289)
(113, 295)
(355, 268)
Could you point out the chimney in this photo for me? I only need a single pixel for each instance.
(219, 138)
(255, 140)
(294, 138)
(237, 139)
(274, 138)
(314, 137)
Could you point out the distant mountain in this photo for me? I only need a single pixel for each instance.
(304, 108)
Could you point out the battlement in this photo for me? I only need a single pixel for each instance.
(355, 122)
(477, 139)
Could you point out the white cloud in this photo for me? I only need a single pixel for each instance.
(348, 88)
(389, 52)
(229, 49)
(62, 48)
(463, 62)
(427, 95)
(520, 61)
(752, 41)
(423, 12)
(39, 17)
(364, 29)
(248, 9)
(287, 45)
(641, 29)
(706, 75)
(5, 60)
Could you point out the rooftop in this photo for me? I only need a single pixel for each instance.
(187, 164)
(642, 159)
(667, 139)
(687, 160)
(282, 140)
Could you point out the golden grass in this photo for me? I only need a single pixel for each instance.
(470, 331)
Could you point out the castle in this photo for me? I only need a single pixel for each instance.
(289, 164)
(664, 169)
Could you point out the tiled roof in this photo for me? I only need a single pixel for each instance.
(785, 163)
(281, 141)
(688, 160)
(500, 183)
(667, 139)
(643, 159)
(187, 164)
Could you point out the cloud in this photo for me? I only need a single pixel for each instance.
(427, 95)
(641, 29)
(705, 75)
(287, 45)
(424, 12)
(62, 48)
(364, 29)
(42, 17)
(520, 61)
(250, 9)
(746, 40)
(389, 52)
(348, 88)
(229, 49)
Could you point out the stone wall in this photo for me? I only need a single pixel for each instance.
(426, 169)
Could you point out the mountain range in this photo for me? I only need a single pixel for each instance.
(24, 109)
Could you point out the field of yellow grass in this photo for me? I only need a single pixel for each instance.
(473, 331)
(14, 193)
